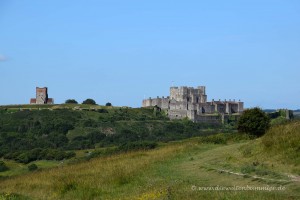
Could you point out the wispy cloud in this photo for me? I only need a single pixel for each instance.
(3, 58)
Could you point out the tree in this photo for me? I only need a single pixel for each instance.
(108, 104)
(254, 121)
(73, 101)
(89, 101)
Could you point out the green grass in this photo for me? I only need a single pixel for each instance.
(169, 172)
(284, 140)
(16, 168)
(78, 131)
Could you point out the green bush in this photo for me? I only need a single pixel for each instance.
(71, 101)
(3, 167)
(137, 146)
(32, 167)
(214, 139)
(101, 110)
(89, 101)
(254, 122)
(108, 104)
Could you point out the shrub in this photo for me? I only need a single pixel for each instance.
(32, 167)
(108, 104)
(101, 110)
(72, 101)
(23, 158)
(137, 146)
(254, 122)
(89, 101)
(3, 167)
(215, 139)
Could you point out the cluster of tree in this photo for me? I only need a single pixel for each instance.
(32, 135)
(26, 136)
(87, 101)
(135, 131)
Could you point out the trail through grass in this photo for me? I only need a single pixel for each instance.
(177, 170)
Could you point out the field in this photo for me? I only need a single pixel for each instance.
(125, 153)
(177, 170)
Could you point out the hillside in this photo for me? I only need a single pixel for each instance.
(53, 132)
(188, 169)
(96, 152)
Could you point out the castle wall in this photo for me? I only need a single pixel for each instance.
(220, 108)
(191, 106)
(163, 103)
(234, 108)
(192, 103)
(177, 114)
(210, 119)
(206, 108)
(240, 107)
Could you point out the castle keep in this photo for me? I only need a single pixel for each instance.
(41, 97)
(192, 103)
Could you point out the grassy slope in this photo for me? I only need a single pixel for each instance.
(168, 172)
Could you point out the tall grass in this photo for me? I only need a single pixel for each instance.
(284, 140)
(88, 180)
(167, 172)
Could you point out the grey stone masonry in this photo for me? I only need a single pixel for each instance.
(192, 103)
(41, 97)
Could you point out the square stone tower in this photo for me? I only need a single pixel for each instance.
(41, 97)
(188, 94)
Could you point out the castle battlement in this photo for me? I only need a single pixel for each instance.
(192, 103)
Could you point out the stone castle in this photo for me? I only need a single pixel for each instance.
(41, 97)
(192, 103)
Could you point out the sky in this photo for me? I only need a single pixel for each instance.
(123, 51)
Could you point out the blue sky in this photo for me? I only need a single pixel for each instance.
(122, 51)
